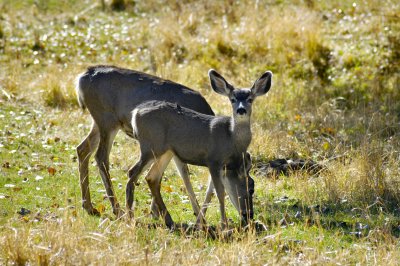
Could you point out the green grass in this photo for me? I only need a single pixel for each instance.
(335, 99)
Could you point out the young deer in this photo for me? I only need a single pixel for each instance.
(165, 130)
(110, 94)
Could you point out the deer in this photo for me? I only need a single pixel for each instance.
(165, 130)
(110, 94)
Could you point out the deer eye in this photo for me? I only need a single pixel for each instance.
(233, 100)
(249, 100)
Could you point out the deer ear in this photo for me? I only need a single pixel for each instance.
(219, 84)
(262, 85)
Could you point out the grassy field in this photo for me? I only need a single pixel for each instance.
(335, 100)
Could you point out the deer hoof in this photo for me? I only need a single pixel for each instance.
(92, 211)
(130, 214)
(95, 212)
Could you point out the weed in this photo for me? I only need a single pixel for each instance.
(320, 56)
(1, 31)
(54, 96)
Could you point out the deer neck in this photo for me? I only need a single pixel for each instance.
(241, 132)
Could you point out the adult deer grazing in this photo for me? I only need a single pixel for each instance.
(110, 94)
(165, 130)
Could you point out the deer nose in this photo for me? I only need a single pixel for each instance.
(241, 111)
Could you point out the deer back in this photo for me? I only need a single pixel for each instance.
(194, 137)
(117, 91)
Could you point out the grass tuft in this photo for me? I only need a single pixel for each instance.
(54, 97)
(320, 57)
(57, 93)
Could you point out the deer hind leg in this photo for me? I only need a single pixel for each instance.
(153, 179)
(220, 191)
(155, 210)
(210, 192)
(153, 173)
(84, 150)
(141, 165)
(184, 173)
(102, 158)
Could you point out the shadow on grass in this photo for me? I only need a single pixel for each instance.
(210, 232)
(343, 217)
